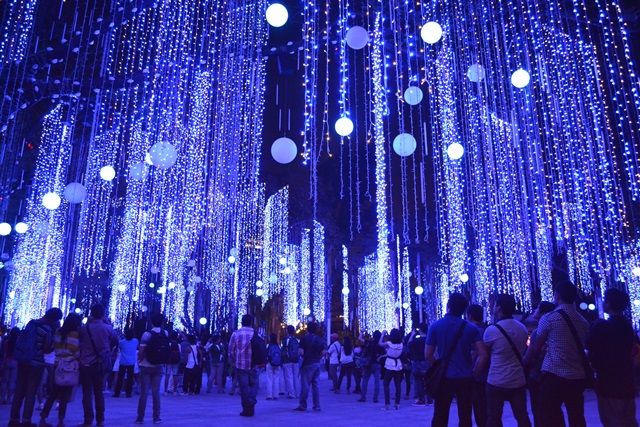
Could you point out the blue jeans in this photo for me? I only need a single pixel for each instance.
(517, 397)
(248, 382)
(309, 375)
(27, 382)
(374, 370)
(91, 378)
(149, 379)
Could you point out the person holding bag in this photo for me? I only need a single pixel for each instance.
(66, 372)
(97, 338)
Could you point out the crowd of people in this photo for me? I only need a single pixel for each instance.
(481, 365)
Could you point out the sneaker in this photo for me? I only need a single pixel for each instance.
(419, 403)
(317, 409)
(396, 407)
(299, 409)
(138, 421)
(157, 420)
(385, 408)
(362, 399)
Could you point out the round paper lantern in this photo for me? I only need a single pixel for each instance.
(283, 260)
(306, 312)
(75, 192)
(163, 155)
(154, 270)
(197, 279)
(190, 288)
(287, 270)
(21, 228)
(413, 95)
(152, 285)
(203, 321)
(284, 150)
(404, 144)
(143, 308)
(259, 283)
(583, 306)
(520, 78)
(344, 126)
(138, 171)
(464, 278)
(357, 37)
(259, 292)
(122, 288)
(191, 263)
(5, 228)
(272, 278)
(232, 270)
(635, 271)
(277, 15)
(431, 32)
(231, 259)
(172, 285)
(418, 290)
(476, 73)
(51, 201)
(345, 291)
(107, 173)
(405, 305)
(455, 151)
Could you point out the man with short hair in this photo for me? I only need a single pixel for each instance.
(290, 361)
(458, 379)
(246, 373)
(419, 365)
(475, 315)
(150, 374)
(506, 342)
(96, 337)
(311, 349)
(610, 344)
(563, 370)
(30, 371)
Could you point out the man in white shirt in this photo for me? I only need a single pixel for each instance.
(506, 341)
(150, 374)
(334, 360)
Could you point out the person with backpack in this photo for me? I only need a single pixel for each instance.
(33, 342)
(246, 354)
(393, 366)
(273, 367)
(290, 362)
(192, 369)
(128, 350)
(154, 353)
(172, 367)
(97, 338)
(312, 348)
(66, 345)
(370, 363)
(217, 359)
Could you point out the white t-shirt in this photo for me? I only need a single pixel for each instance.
(505, 370)
(344, 358)
(393, 362)
(334, 351)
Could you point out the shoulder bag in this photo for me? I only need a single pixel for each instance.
(104, 358)
(589, 378)
(515, 350)
(67, 371)
(437, 371)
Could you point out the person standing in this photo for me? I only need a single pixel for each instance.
(33, 342)
(274, 357)
(9, 367)
(334, 360)
(216, 356)
(66, 346)
(506, 342)
(392, 366)
(346, 364)
(96, 337)
(563, 369)
(128, 350)
(150, 374)
(290, 365)
(452, 332)
(475, 315)
(189, 384)
(311, 349)
(610, 344)
(247, 374)
(371, 365)
(533, 362)
(419, 364)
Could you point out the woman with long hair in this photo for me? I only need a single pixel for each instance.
(347, 364)
(392, 365)
(66, 348)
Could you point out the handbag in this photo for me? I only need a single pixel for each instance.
(589, 377)
(104, 358)
(436, 372)
(67, 373)
(515, 351)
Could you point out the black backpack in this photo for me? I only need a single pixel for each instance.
(174, 353)
(290, 350)
(258, 351)
(159, 349)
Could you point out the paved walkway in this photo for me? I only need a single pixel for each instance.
(222, 410)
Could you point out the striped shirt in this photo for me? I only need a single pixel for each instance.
(240, 348)
(563, 357)
(43, 339)
(67, 348)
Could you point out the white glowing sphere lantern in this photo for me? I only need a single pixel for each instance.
(464, 277)
(357, 37)
(163, 155)
(259, 283)
(431, 32)
(413, 95)
(635, 271)
(259, 292)
(21, 228)
(5, 228)
(51, 201)
(138, 171)
(197, 279)
(404, 144)
(344, 126)
(107, 173)
(284, 150)
(306, 311)
(277, 15)
(75, 192)
(419, 290)
(455, 151)
(345, 291)
(203, 321)
(520, 78)
(122, 288)
(476, 73)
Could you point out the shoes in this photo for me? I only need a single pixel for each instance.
(290, 397)
(299, 409)
(116, 395)
(138, 421)
(100, 423)
(362, 399)
(375, 400)
(396, 407)
(246, 414)
(317, 409)
(337, 391)
(418, 403)
(44, 423)
(385, 408)
(269, 398)
(157, 420)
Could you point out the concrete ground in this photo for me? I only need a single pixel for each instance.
(222, 410)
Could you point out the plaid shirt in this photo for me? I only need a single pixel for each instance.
(240, 348)
(563, 357)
